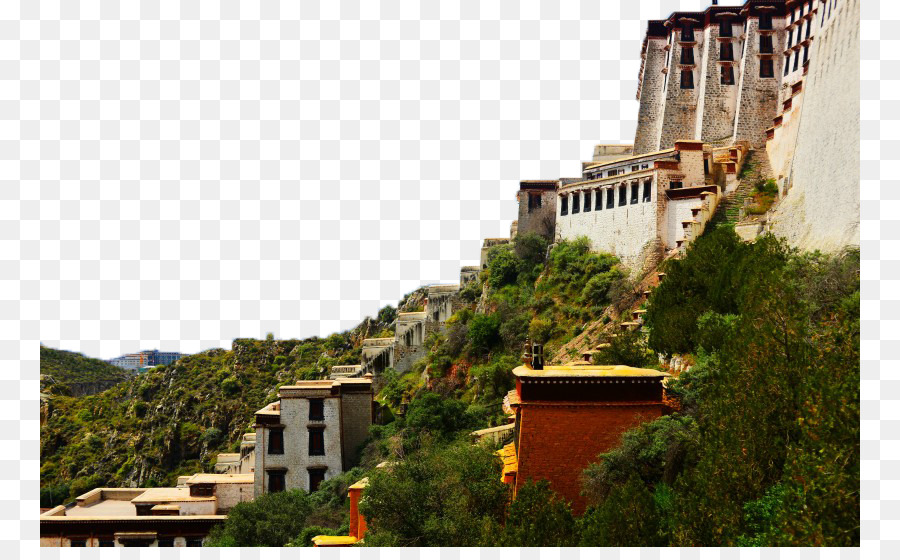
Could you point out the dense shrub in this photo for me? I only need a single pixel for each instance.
(273, 519)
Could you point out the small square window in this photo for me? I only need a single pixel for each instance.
(317, 409)
(727, 75)
(316, 478)
(687, 33)
(276, 481)
(725, 28)
(276, 441)
(726, 51)
(674, 184)
(317, 441)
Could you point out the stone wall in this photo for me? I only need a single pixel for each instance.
(646, 137)
(821, 207)
(230, 495)
(621, 230)
(537, 218)
(680, 108)
(356, 414)
(296, 457)
(757, 101)
(717, 101)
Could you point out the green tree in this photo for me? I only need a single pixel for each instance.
(273, 519)
(503, 266)
(437, 496)
(483, 332)
(538, 517)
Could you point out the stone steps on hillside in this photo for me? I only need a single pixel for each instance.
(757, 167)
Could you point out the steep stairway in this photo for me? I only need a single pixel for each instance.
(756, 167)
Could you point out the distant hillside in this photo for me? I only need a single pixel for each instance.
(174, 419)
(74, 374)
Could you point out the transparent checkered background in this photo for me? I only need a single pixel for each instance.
(178, 174)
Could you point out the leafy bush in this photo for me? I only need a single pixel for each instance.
(503, 266)
(538, 517)
(438, 496)
(273, 519)
(484, 332)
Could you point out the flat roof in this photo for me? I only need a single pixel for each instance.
(587, 371)
(620, 161)
(211, 478)
(170, 495)
(103, 508)
(329, 540)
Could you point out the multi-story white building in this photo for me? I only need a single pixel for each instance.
(311, 434)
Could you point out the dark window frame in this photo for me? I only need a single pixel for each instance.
(564, 205)
(610, 198)
(316, 482)
(687, 32)
(765, 22)
(316, 442)
(687, 78)
(726, 29)
(766, 45)
(647, 195)
(796, 61)
(586, 207)
(687, 55)
(276, 441)
(275, 481)
(635, 190)
(727, 75)
(623, 195)
(675, 184)
(576, 202)
(317, 409)
(726, 50)
(766, 68)
(598, 201)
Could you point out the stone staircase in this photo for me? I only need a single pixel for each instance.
(755, 167)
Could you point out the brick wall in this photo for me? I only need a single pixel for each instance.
(757, 102)
(542, 220)
(646, 137)
(558, 441)
(356, 414)
(717, 101)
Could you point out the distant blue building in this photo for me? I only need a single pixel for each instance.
(146, 358)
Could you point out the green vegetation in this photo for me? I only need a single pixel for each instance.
(174, 420)
(766, 448)
(73, 374)
(764, 193)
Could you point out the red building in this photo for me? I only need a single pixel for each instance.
(566, 415)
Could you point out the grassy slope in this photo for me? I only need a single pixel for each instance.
(68, 373)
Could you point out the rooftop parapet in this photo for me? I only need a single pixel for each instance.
(377, 342)
(443, 288)
(411, 317)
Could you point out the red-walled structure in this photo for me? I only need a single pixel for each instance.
(567, 415)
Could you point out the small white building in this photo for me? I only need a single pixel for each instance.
(311, 434)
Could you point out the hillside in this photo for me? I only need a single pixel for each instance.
(174, 419)
(74, 374)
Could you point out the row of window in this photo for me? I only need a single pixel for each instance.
(316, 441)
(585, 197)
(277, 484)
(160, 541)
(787, 60)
